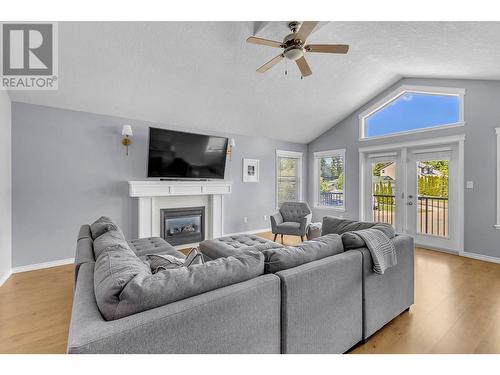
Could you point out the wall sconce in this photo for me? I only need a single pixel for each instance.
(231, 143)
(126, 132)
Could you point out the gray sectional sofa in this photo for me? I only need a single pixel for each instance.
(251, 296)
(111, 285)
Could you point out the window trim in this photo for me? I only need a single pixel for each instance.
(317, 156)
(403, 89)
(292, 155)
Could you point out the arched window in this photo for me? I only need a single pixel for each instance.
(413, 109)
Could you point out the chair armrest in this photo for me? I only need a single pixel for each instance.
(304, 223)
(275, 220)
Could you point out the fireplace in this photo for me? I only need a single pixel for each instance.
(180, 226)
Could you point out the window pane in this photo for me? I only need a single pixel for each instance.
(331, 181)
(288, 180)
(413, 111)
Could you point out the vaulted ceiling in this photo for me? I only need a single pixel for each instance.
(202, 74)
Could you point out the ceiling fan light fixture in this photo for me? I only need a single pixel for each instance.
(294, 53)
(294, 47)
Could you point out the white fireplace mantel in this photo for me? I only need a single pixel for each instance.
(147, 191)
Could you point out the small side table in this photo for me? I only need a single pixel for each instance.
(313, 231)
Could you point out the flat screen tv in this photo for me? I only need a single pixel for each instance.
(179, 155)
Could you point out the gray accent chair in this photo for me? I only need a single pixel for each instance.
(292, 219)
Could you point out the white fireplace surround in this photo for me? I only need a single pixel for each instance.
(154, 195)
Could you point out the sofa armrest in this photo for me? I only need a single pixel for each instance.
(240, 318)
(84, 254)
(388, 295)
(275, 220)
(322, 305)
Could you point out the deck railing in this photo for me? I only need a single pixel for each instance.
(384, 208)
(432, 213)
(330, 198)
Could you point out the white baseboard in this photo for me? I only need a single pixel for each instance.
(5, 277)
(248, 232)
(485, 258)
(38, 266)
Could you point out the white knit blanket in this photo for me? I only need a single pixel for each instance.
(381, 249)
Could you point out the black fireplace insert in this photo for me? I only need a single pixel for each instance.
(180, 226)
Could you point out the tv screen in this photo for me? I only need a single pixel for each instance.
(174, 154)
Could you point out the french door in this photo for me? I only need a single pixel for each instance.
(415, 190)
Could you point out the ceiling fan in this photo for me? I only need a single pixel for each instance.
(295, 47)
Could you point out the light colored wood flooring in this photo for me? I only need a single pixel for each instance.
(457, 309)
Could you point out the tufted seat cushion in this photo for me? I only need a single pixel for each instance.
(288, 227)
(153, 245)
(231, 245)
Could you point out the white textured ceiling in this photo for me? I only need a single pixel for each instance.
(202, 74)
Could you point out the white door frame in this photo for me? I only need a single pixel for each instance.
(403, 146)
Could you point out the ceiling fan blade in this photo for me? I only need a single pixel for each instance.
(264, 42)
(327, 48)
(268, 65)
(305, 30)
(305, 70)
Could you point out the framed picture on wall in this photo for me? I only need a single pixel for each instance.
(250, 170)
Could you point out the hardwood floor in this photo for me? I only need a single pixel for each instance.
(457, 309)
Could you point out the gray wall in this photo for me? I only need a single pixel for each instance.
(482, 115)
(5, 185)
(69, 168)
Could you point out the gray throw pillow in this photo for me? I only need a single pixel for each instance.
(292, 256)
(339, 226)
(352, 240)
(194, 257)
(101, 226)
(159, 262)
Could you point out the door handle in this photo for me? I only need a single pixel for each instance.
(410, 203)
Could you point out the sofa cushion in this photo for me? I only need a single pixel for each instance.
(109, 239)
(292, 256)
(133, 288)
(114, 269)
(101, 226)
